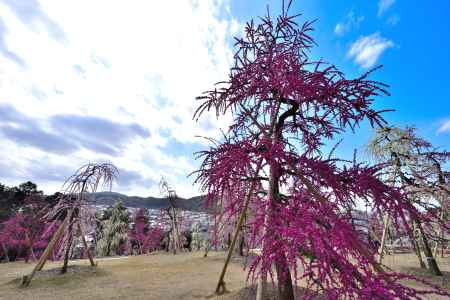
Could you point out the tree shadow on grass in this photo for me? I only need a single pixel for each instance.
(53, 276)
(443, 281)
(249, 293)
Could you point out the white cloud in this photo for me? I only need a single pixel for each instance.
(138, 62)
(367, 49)
(445, 127)
(384, 5)
(339, 29)
(351, 21)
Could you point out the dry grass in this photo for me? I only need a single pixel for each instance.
(159, 276)
(408, 263)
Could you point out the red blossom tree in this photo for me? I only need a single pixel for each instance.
(12, 235)
(148, 238)
(285, 106)
(22, 232)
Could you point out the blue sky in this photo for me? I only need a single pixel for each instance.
(415, 58)
(98, 80)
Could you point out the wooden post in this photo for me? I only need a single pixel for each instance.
(69, 243)
(261, 288)
(383, 238)
(432, 264)
(86, 248)
(40, 264)
(220, 289)
(440, 234)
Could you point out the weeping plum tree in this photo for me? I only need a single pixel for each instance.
(73, 212)
(413, 164)
(175, 217)
(284, 105)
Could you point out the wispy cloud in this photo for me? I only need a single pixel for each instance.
(108, 90)
(4, 50)
(384, 5)
(445, 127)
(367, 49)
(351, 21)
(393, 20)
(31, 13)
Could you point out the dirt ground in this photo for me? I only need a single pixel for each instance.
(157, 276)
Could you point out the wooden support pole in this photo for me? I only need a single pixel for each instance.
(432, 264)
(261, 286)
(416, 247)
(220, 289)
(383, 238)
(42, 260)
(85, 245)
(440, 234)
(69, 243)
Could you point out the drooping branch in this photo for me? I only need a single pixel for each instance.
(72, 209)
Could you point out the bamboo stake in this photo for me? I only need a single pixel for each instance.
(86, 248)
(261, 288)
(383, 238)
(42, 260)
(69, 244)
(220, 289)
(440, 233)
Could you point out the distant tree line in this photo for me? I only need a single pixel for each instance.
(12, 199)
(25, 229)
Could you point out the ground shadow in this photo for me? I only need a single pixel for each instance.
(54, 277)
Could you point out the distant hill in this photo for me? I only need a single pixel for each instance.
(110, 198)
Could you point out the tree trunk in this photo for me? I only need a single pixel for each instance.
(5, 250)
(285, 290)
(261, 289)
(206, 250)
(241, 244)
(432, 264)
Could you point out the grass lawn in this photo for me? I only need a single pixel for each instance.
(157, 276)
